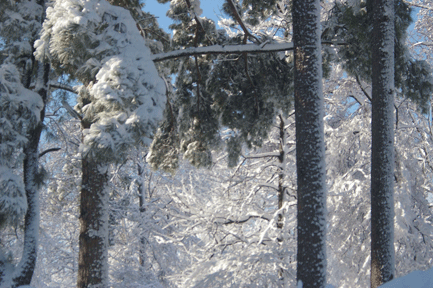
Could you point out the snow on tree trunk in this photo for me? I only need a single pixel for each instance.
(310, 148)
(382, 153)
(32, 180)
(93, 239)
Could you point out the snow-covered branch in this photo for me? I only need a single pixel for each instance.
(418, 5)
(422, 43)
(231, 49)
(221, 49)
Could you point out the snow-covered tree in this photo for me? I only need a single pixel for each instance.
(19, 28)
(119, 104)
(216, 91)
(20, 109)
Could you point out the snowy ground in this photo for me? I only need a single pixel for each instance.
(416, 279)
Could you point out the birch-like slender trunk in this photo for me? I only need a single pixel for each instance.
(310, 147)
(382, 148)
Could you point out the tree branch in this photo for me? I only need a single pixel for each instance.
(230, 221)
(362, 88)
(197, 20)
(221, 49)
(63, 87)
(48, 151)
(418, 5)
(241, 23)
(230, 49)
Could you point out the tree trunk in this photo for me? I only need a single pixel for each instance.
(281, 190)
(310, 147)
(23, 273)
(93, 239)
(382, 150)
(142, 202)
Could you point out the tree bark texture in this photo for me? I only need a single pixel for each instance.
(93, 239)
(310, 147)
(382, 151)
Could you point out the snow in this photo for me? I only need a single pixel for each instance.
(128, 97)
(416, 279)
(15, 94)
(223, 49)
(13, 201)
(196, 7)
(20, 109)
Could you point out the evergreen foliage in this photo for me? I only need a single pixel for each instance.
(122, 98)
(243, 93)
(351, 22)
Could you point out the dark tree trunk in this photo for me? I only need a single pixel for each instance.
(142, 201)
(23, 273)
(310, 148)
(281, 190)
(93, 239)
(382, 149)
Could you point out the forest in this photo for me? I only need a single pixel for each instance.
(288, 144)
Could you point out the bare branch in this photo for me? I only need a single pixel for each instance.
(48, 151)
(230, 221)
(241, 23)
(71, 111)
(63, 87)
(362, 88)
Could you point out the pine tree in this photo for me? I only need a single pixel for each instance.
(20, 26)
(243, 92)
(119, 104)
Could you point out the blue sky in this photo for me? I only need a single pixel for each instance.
(210, 9)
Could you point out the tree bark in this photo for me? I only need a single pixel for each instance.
(382, 150)
(310, 147)
(93, 239)
(280, 192)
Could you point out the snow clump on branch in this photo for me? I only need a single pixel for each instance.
(19, 110)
